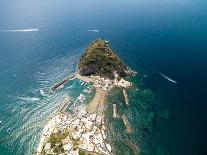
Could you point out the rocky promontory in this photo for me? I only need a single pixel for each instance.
(99, 60)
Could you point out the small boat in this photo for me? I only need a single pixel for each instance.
(87, 91)
(81, 98)
(106, 42)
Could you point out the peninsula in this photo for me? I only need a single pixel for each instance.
(83, 131)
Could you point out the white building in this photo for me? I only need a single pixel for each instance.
(123, 83)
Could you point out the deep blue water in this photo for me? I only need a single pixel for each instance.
(167, 36)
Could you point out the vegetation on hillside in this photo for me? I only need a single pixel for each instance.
(99, 59)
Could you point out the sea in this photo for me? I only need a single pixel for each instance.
(164, 41)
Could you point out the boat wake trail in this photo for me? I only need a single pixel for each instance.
(94, 31)
(29, 98)
(21, 30)
(168, 78)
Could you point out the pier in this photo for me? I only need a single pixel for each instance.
(60, 84)
(126, 123)
(114, 110)
(126, 98)
(66, 102)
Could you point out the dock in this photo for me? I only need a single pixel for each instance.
(132, 146)
(66, 102)
(114, 110)
(60, 84)
(126, 123)
(126, 98)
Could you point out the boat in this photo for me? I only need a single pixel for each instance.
(87, 91)
(81, 98)
(106, 41)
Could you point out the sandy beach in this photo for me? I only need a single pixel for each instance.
(98, 102)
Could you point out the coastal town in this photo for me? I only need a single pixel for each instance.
(74, 133)
(83, 131)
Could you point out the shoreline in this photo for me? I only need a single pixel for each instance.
(84, 130)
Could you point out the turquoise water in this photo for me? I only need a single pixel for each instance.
(167, 36)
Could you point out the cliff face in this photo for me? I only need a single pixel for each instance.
(100, 60)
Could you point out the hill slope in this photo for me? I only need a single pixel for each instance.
(100, 60)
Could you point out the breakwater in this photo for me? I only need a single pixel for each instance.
(114, 110)
(132, 146)
(60, 84)
(126, 123)
(66, 102)
(126, 98)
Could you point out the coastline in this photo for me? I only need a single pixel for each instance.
(83, 130)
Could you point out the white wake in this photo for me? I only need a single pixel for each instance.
(21, 30)
(94, 31)
(167, 78)
(29, 98)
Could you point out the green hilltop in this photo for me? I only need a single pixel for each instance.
(100, 60)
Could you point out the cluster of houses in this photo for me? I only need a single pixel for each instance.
(107, 84)
(87, 131)
(101, 82)
(47, 131)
